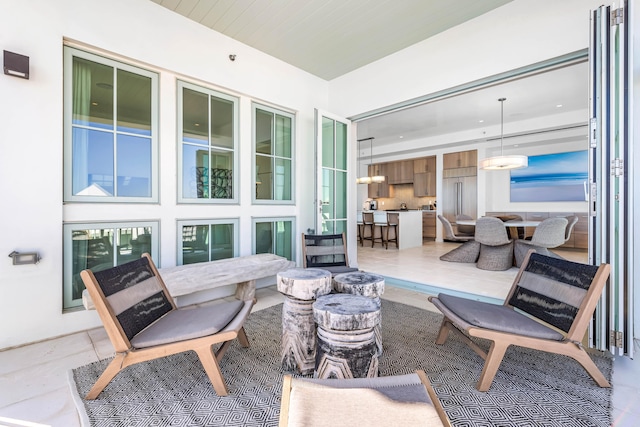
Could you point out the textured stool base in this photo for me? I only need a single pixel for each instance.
(346, 354)
(298, 336)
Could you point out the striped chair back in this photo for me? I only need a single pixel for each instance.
(552, 289)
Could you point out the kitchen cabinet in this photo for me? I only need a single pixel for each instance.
(424, 184)
(400, 172)
(428, 224)
(424, 164)
(378, 190)
(460, 159)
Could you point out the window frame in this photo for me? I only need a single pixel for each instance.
(69, 53)
(291, 219)
(70, 304)
(208, 221)
(274, 111)
(235, 199)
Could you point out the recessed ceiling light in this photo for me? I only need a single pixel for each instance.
(401, 136)
(559, 106)
(196, 124)
(480, 121)
(104, 85)
(94, 103)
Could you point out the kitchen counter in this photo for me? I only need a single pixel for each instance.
(409, 226)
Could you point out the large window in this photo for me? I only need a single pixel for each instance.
(273, 142)
(111, 137)
(274, 236)
(207, 240)
(208, 129)
(98, 246)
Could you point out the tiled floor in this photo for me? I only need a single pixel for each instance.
(34, 390)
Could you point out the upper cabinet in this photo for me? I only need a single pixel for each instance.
(424, 176)
(460, 159)
(400, 172)
(382, 189)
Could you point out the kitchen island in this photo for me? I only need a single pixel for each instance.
(409, 226)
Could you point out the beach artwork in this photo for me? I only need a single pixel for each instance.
(558, 177)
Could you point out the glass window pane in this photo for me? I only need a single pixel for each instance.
(328, 195)
(131, 243)
(92, 102)
(263, 131)
(92, 163)
(327, 142)
(91, 249)
(264, 238)
(134, 166)
(221, 174)
(283, 239)
(221, 241)
(340, 199)
(221, 123)
(264, 177)
(283, 179)
(341, 146)
(195, 243)
(283, 136)
(195, 172)
(134, 103)
(195, 117)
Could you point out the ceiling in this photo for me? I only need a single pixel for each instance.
(329, 38)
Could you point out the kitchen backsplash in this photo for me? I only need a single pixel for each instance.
(403, 193)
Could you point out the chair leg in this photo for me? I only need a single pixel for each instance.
(212, 368)
(443, 334)
(105, 378)
(491, 365)
(242, 338)
(583, 358)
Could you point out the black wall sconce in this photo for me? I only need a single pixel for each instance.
(25, 257)
(16, 65)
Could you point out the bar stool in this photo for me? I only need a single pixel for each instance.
(369, 224)
(392, 223)
(360, 226)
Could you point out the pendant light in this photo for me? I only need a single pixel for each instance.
(503, 162)
(376, 179)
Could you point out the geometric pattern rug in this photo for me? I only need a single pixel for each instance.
(531, 388)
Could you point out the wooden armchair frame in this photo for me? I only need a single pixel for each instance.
(326, 251)
(564, 287)
(126, 319)
(353, 408)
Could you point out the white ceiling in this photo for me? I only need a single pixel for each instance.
(329, 38)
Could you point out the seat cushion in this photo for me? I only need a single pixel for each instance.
(188, 323)
(492, 316)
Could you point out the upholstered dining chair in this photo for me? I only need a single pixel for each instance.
(549, 234)
(449, 234)
(465, 230)
(143, 323)
(496, 249)
(571, 222)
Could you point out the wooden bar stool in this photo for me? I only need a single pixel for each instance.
(392, 224)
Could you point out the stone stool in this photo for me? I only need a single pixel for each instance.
(366, 284)
(346, 338)
(301, 286)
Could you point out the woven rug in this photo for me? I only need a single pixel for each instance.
(532, 388)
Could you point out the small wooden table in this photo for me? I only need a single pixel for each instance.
(301, 286)
(346, 338)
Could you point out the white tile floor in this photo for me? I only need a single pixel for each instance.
(34, 390)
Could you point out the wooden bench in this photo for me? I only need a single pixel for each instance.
(242, 271)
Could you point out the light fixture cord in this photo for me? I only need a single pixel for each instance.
(502, 125)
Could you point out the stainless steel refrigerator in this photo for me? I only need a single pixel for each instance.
(460, 193)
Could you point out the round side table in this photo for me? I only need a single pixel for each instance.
(346, 338)
(366, 284)
(301, 287)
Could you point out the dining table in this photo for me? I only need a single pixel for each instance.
(511, 224)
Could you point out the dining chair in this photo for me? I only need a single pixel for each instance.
(449, 234)
(496, 249)
(465, 230)
(549, 234)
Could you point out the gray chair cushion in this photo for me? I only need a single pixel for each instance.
(492, 316)
(188, 323)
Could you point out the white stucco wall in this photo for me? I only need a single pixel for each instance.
(31, 139)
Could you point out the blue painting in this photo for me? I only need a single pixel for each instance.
(559, 177)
